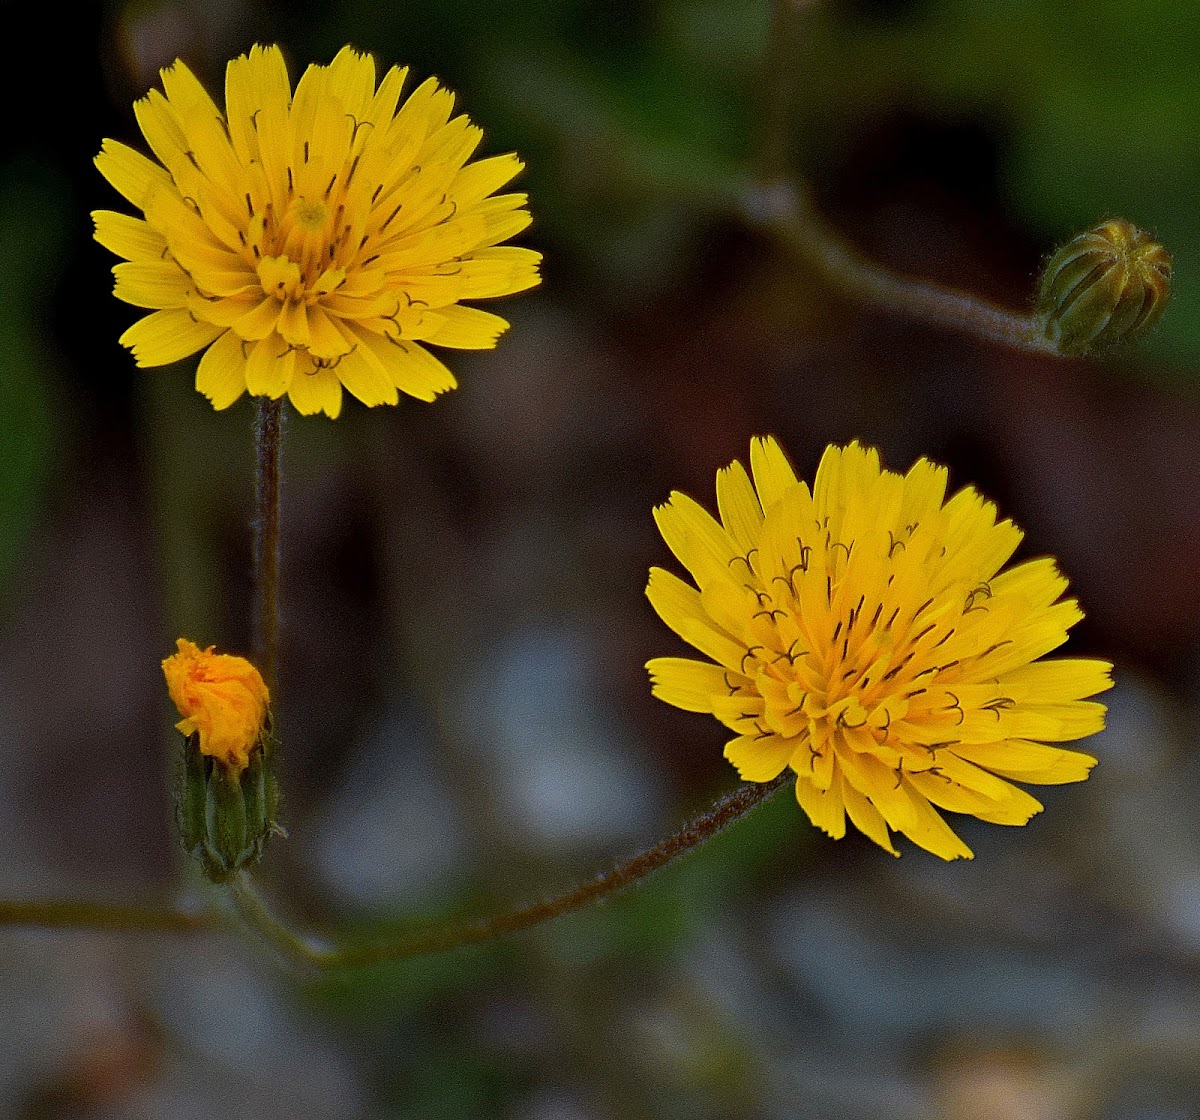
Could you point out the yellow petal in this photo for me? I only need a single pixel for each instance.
(221, 375)
(467, 328)
(866, 818)
(128, 237)
(825, 807)
(152, 284)
(691, 685)
(410, 367)
(131, 173)
(1029, 762)
(757, 758)
(167, 336)
(773, 474)
(741, 515)
(270, 367)
(319, 391)
(366, 379)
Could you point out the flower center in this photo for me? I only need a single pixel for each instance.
(310, 214)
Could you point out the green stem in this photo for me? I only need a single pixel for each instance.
(706, 825)
(113, 917)
(268, 439)
(72, 914)
(253, 911)
(785, 210)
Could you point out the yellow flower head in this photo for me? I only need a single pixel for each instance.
(311, 240)
(222, 699)
(864, 635)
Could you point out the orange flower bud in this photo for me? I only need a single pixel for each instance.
(222, 699)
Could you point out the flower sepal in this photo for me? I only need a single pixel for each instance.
(226, 815)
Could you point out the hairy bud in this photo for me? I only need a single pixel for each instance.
(227, 797)
(225, 815)
(1104, 287)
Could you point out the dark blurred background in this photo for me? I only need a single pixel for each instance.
(465, 715)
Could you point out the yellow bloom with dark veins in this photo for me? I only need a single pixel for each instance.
(864, 635)
(311, 241)
(222, 699)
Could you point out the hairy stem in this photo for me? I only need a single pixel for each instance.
(706, 825)
(268, 439)
(257, 917)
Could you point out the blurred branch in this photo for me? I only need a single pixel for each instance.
(786, 211)
(779, 91)
(113, 917)
(258, 918)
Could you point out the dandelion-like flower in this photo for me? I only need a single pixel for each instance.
(864, 635)
(222, 699)
(312, 240)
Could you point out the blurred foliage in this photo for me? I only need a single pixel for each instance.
(1093, 105)
(34, 202)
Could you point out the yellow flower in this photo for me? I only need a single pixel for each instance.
(222, 699)
(863, 637)
(311, 241)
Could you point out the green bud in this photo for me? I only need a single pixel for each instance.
(225, 816)
(1104, 287)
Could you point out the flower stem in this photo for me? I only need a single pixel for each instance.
(113, 917)
(268, 439)
(785, 210)
(723, 813)
(72, 914)
(257, 917)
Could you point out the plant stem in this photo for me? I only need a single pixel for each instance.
(113, 917)
(725, 812)
(72, 914)
(268, 439)
(785, 210)
(257, 917)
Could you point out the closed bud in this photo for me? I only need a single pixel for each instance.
(227, 797)
(1104, 287)
(226, 816)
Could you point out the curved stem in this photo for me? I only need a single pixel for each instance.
(253, 911)
(786, 210)
(723, 813)
(113, 917)
(73, 914)
(268, 438)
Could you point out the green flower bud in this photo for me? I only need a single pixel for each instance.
(225, 815)
(1104, 287)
